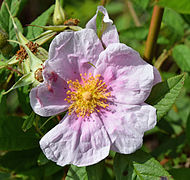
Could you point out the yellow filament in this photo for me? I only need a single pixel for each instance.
(87, 96)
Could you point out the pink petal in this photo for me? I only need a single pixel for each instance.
(75, 141)
(110, 34)
(47, 99)
(157, 77)
(128, 76)
(126, 125)
(72, 52)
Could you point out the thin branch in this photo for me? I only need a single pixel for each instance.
(153, 33)
(14, 70)
(162, 58)
(5, 85)
(103, 2)
(46, 122)
(133, 13)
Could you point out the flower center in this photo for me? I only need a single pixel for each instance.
(87, 96)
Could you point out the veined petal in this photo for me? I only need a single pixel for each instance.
(110, 34)
(128, 76)
(47, 99)
(126, 125)
(76, 141)
(72, 52)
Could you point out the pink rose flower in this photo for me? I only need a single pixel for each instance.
(104, 92)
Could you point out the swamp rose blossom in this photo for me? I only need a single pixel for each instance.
(104, 92)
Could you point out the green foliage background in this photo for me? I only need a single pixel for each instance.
(166, 149)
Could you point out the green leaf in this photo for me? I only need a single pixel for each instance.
(138, 33)
(20, 160)
(99, 24)
(23, 81)
(24, 100)
(188, 129)
(139, 165)
(45, 37)
(186, 18)
(182, 6)
(162, 40)
(164, 94)
(95, 172)
(5, 19)
(142, 3)
(51, 168)
(3, 105)
(5, 176)
(171, 147)
(32, 31)
(114, 7)
(12, 137)
(181, 55)
(42, 159)
(174, 21)
(12, 30)
(77, 173)
(180, 173)
(29, 122)
(11, 61)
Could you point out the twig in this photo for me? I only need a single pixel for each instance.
(103, 2)
(166, 53)
(8, 80)
(46, 122)
(133, 13)
(14, 70)
(36, 126)
(153, 33)
(162, 58)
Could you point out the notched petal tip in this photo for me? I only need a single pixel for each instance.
(110, 34)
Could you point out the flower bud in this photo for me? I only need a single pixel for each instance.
(59, 15)
(3, 38)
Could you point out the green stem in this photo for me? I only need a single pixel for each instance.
(162, 58)
(46, 122)
(103, 2)
(153, 33)
(61, 3)
(133, 13)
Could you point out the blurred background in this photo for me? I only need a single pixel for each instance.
(169, 142)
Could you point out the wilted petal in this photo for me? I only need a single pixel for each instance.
(72, 52)
(126, 125)
(75, 141)
(47, 99)
(128, 76)
(110, 34)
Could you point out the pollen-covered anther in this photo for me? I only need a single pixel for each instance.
(88, 95)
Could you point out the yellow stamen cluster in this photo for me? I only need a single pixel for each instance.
(87, 96)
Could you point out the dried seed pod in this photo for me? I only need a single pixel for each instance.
(38, 75)
(22, 54)
(71, 22)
